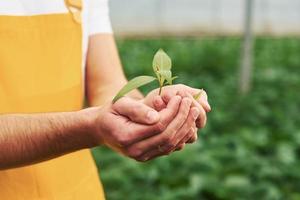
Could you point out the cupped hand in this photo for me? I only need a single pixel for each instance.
(159, 102)
(138, 131)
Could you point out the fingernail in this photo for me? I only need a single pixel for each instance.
(195, 113)
(152, 116)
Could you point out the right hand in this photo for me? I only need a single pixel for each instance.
(138, 131)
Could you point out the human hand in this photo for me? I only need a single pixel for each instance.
(160, 102)
(138, 131)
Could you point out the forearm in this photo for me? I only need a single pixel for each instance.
(27, 139)
(104, 74)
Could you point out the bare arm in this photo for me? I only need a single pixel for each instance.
(104, 75)
(31, 138)
(27, 139)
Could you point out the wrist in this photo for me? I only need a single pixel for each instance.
(88, 118)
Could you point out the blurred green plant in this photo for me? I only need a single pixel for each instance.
(252, 150)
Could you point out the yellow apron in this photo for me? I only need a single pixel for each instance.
(41, 71)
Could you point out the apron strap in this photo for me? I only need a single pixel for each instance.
(75, 8)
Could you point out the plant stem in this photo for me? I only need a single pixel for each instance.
(160, 88)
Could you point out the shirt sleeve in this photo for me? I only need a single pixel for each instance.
(98, 17)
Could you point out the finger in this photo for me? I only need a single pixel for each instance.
(201, 121)
(181, 89)
(185, 93)
(201, 104)
(136, 111)
(154, 153)
(157, 153)
(180, 147)
(202, 118)
(167, 94)
(192, 132)
(187, 129)
(192, 91)
(166, 139)
(158, 103)
(203, 100)
(189, 137)
(139, 132)
(168, 114)
(193, 138)
(171, 131)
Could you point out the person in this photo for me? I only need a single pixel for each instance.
(52, 53)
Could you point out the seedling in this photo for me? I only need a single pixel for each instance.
(162, 66)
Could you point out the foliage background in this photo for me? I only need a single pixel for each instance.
(250, 148)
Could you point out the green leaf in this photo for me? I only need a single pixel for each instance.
(162, 65)
(133, 84)
(166, 75)
(170, 80)
(161, 61)
(197, 96)
(174, 77)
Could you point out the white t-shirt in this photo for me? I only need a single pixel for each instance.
(95, 16)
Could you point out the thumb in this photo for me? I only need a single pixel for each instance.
(136, 111)
(158, 103)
